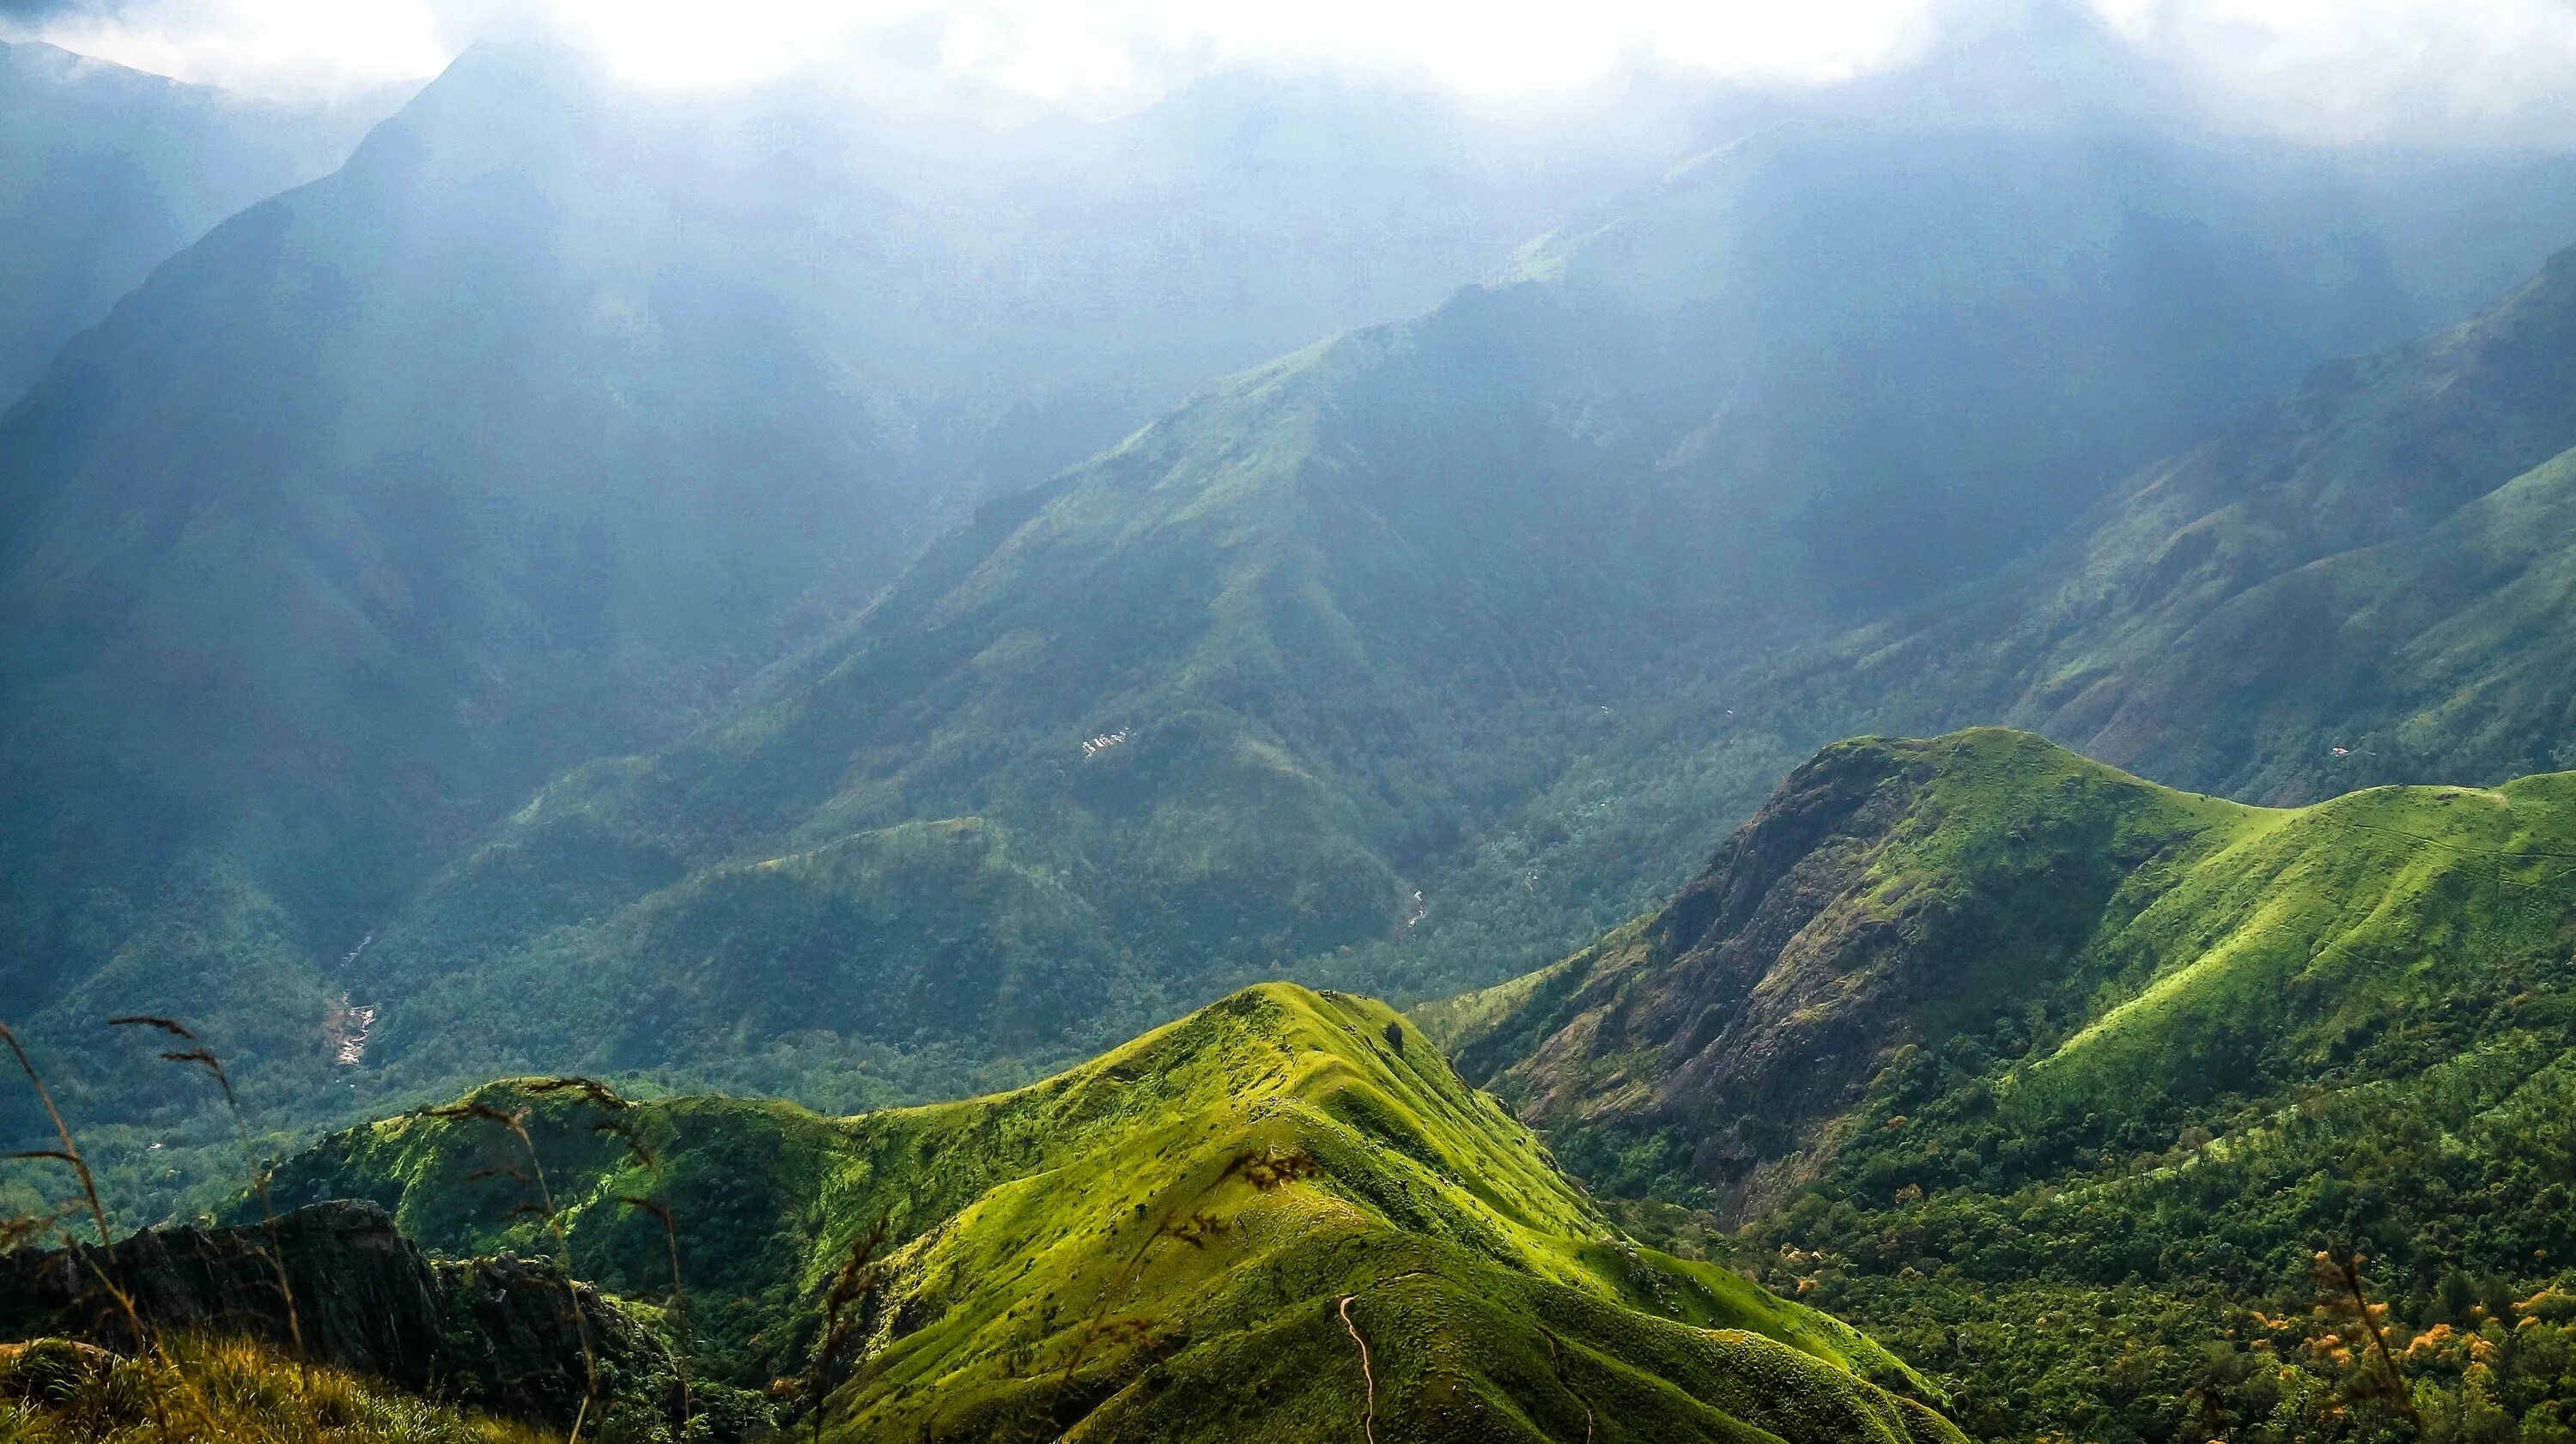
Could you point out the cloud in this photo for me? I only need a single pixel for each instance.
(2438, 71)
(267, 46)
(2443, 71)
(1087, 53)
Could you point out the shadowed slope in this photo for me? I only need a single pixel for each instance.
(556, 412)
(2364, 583)
(1897, 894)
(2375, 562)
(106, 172)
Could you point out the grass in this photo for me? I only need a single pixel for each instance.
(228, 1391)
(1183, 1239)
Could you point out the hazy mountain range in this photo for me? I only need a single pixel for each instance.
(560, 414)
(762, 592)
(107, 172)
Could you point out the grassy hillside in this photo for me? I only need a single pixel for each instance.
(1972, 1031)
(1403, 663)
(1195, 1235)
(209, 1392)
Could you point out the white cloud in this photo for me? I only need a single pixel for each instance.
(262, 45)
(2333, 70)
(1083, 51)
(2329, 69)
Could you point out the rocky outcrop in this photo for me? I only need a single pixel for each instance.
(504, 1334)
(1891, 894)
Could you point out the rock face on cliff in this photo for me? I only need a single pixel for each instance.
(496, 1333)
(1890, 894)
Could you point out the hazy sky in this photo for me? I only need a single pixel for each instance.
(2327, 69)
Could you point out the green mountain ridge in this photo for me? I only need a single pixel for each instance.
(1193, 1236)
(536, 429)
(470, 619)
(2356, 585)
(2370, 563)
(1221, 703)
(1972, 1030)
(1399, 664)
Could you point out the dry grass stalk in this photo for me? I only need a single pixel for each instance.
(103, 1264)
(645, 1158)
(204, 1057)
(2340, 1271)
(544, 1207)
(855, 1279)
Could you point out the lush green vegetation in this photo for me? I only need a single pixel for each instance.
(1283, 1213)
(2129, 1062)
(468, 618)
(1366, 668)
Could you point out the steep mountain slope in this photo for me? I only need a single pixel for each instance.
(2359, 584)
(1281, 1214)
(1191, 712)
(1973, 1029)
(2373, 562)
(107, 172)
(391, 496)
(1229, 697)
(1890, 894)
(555, 413)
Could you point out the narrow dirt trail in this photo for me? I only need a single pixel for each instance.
(1368, 1421)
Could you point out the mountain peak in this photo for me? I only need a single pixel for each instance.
(1256, 1194)
(1826, 934)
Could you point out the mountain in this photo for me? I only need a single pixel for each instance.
(557, 412)
(1281, 1213)
(469, 612)
(391, 496)
(107, 172)
(1975, 1030)
(1261, 684)
(2373, 563)
(2358, 583)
